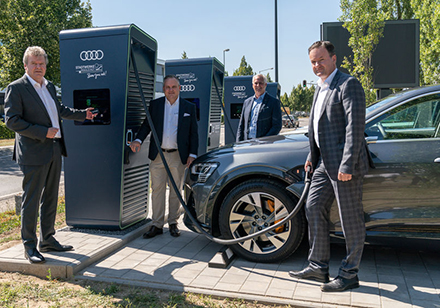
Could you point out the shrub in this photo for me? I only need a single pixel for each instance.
(5, 133)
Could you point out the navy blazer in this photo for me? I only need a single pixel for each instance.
(27, 116)
(269, 118)
(341, 128)
(187, 131)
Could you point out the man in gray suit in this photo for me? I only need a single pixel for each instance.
(261, 113)
(175, 121)
(33, 112)
(338, 159)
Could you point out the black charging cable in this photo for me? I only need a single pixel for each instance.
(179, 196)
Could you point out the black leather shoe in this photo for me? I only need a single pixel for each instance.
(340, 284)
(174, 231)
(153, 232)
(310, 274)
(55, 246)
(33, 255)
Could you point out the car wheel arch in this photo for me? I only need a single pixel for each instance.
(280, 178)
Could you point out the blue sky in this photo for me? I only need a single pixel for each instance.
(204, 28)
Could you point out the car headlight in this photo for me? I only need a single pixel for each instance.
(202, 171)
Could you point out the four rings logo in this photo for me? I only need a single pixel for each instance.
(91, 55)
(187, 88)
(239, 88)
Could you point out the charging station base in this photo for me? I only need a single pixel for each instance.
(223, 258)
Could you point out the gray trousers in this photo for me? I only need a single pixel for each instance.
(40, 186)
(159, 180)
(323, 192)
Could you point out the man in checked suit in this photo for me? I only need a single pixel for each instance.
(261, 113)
(176, 125)
(339, 160)
(34, 113)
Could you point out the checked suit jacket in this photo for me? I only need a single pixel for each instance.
(341, 128)
(269, 118)
(187, 131)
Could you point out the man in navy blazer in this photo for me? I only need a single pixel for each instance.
(261, 113)
(34, 113)
(176, 124)
(338, 159)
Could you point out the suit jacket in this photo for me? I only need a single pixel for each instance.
(187, 131)
(27, 116)
(269, 118)
(341, 128)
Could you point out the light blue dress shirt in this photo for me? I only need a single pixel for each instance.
(254, 116)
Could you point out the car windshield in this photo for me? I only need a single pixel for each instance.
(384, 101)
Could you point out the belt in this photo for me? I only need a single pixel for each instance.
(169, 150)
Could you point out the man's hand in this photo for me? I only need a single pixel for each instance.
(90, 115)
(135, 146)
(51, 132)
(307, 164)
(189, 161)
(344, 177)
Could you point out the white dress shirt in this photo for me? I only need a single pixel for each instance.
(320, 101)
(170, 123)
(48, 102)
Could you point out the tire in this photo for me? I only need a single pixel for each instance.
(240, 215)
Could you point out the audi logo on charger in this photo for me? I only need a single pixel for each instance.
(91, 55)
(239, 88)
(187, 88)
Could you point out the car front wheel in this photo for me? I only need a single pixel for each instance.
(257, 204)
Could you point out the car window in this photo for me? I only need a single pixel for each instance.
(417, 119)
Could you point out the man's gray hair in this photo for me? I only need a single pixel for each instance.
(35, 51)
(260, 75)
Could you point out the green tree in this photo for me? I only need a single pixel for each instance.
(25, 23)
(184, 56)
(365, 22)
(428, 12)
(301, 99)
(244, 70)
(268, 78)
(284, 101)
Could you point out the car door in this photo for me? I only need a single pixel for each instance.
(402, 194)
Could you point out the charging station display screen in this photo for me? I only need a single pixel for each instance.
(236, 110)
(195, 101)
(96, 98)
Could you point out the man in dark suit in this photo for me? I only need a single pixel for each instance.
(339, 160)
(34, 113)
(176, 125)
(261, 113)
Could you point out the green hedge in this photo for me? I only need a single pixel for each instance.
(5, 133)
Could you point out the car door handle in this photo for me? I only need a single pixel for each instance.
(371, 139)
(437, 160)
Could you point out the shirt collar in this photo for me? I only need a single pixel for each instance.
(328, 81)
(175, 103)
(260, 99)
(34, 83)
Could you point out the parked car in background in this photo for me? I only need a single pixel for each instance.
(239, 189)
(290, 121)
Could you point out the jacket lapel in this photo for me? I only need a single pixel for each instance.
(35, 95)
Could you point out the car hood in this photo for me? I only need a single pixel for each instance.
(263, 148)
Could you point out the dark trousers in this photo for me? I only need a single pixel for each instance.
(40, 186)
(323, 192)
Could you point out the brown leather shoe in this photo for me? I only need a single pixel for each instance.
(174, 231)
(153, 232)
(310, 274)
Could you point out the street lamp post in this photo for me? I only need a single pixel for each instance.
(267, 69)
(224, 60)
